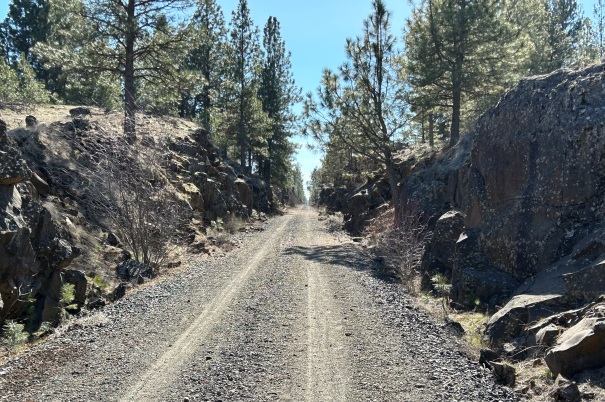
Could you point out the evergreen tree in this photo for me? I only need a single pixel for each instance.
(278, 93)
(599, 27)
(555, 38)
(132, 40)
(207, 58)
(363, 107)
(4, 41)
(296, 182)
(9, 90)
(27, 24)
(163, 96)
(456, 50)
(61, 54)
(30, 89)
(244, 122)
(587, 48)
(19, 85)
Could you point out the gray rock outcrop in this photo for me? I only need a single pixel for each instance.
(530, 187)
(530, 191)
(579, 348)
(34, 248)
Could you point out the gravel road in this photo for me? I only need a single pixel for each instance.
(293, 314)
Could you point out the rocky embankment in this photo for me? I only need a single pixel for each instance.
(517, 210)
(56, 178)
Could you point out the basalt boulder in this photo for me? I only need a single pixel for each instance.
(13, 168)
(579, 348)
(439, 254)
(34, 246)
(537, 176)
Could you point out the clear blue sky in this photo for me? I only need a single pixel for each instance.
(315, 33)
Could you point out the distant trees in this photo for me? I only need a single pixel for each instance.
(131, 39)
(164, 56)
(599, 28)
(26, 24)
(19, 84)
(458, 56)
(555, 36)
(461, 53)
(181, 57)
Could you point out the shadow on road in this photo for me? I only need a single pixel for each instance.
(345, 255)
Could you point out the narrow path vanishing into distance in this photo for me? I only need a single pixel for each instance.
(295, 313)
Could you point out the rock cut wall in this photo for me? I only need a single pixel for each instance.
(537, 172)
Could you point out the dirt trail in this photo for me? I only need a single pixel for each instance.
(161, 375)
(327, 355)
(294, 314)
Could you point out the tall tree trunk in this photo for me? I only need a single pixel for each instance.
(267, 167)
(456, 103)
(205, 100)
(129, 77)
(241, 136)
(242, 156)
(431, 130)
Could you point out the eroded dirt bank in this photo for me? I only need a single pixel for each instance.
(294, 314)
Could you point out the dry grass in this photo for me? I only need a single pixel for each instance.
(534, 379)
(147, 125)
(334, 222)
(474, 324)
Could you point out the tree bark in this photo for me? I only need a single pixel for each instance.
(129, 76)
(456, 101)
(431, 130)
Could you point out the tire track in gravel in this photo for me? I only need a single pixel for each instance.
(326, 374)
(163, 372)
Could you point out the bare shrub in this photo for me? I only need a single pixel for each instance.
(400, 244)
(125, 188)
(234, 223)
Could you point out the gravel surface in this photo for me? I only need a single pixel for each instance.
(294, 314)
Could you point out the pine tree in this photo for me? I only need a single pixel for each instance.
(244, 122)
(555, 35)
(599, 27)
(27, 24)
(10, 84)
(30, 89)
(4, 41)
(19, 85)
(207, 58)
(362, 107)
(132, 40)
(456, 49)
(278, 93)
